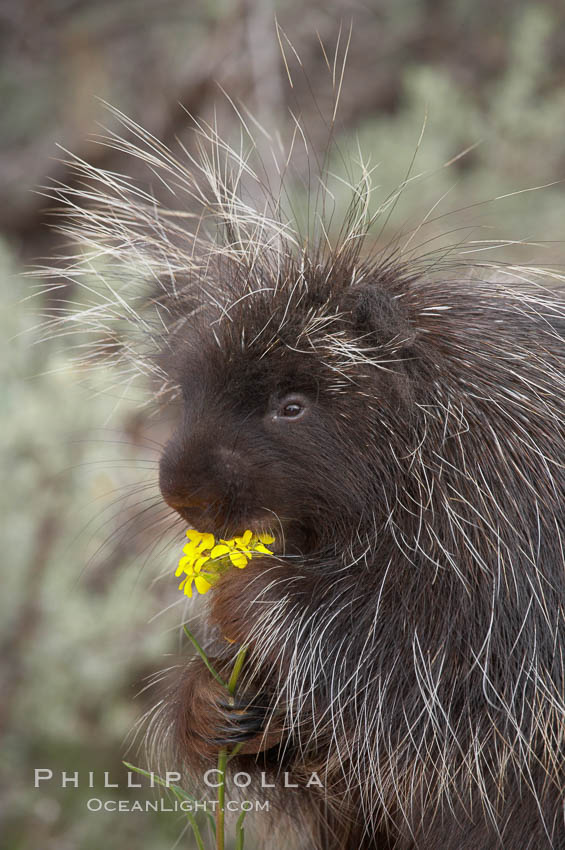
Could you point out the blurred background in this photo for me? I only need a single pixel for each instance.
(88, 606)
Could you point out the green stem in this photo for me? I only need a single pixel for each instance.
(239, 832)
(223, 755)
(180, 794)
(237, 669)
(204, 657)
(222, 762)
(235, 751)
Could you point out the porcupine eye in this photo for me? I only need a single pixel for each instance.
(291, 407)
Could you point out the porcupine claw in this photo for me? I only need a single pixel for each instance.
(244, 721)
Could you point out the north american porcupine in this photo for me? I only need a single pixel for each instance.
(400, 425)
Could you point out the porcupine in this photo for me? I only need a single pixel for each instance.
(399, 424)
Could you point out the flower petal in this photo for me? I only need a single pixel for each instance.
(194, 536)
(238, 559)
(186, 585)
(202, 586)
(200, 540)
(219, 550)
(245, 538)
(266, 538)
(199, 563)
(185, 564)
(208, 541)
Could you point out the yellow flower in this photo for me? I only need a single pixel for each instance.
(202, 550)
(240, 550)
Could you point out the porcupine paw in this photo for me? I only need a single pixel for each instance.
(209, 719)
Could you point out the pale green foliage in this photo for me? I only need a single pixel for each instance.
(513, 128)
(77, 592)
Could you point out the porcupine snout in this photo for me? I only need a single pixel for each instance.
(209, 481)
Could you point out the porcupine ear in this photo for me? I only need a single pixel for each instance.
(375, 311)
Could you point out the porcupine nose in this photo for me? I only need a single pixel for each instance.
(198, 480)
